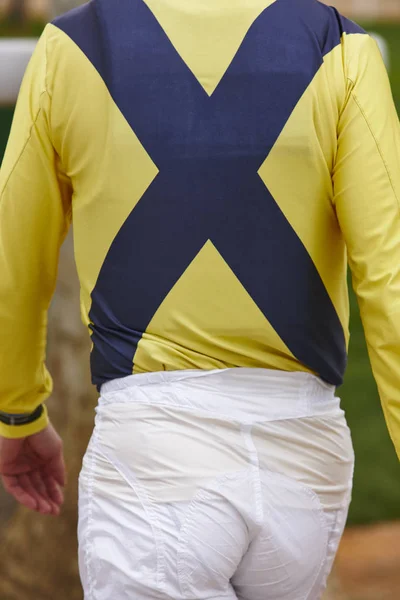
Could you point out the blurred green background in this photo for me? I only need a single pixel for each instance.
(377, 476)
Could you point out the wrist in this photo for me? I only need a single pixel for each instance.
(17, 420)
(25, 430)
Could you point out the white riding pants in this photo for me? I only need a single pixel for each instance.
(215, 486)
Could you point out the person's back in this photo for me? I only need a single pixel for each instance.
(216, 158)
(212, 202)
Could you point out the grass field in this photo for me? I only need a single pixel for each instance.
(377, 476)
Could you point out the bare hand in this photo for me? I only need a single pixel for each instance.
(32, 470)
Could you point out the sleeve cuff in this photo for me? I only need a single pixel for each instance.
(21, 431)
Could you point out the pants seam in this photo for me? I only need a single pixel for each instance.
(150, 511)
(246, 430)
(89, 541)
(328, 537)
(200, 496)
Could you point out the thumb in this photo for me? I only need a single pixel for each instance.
(47, 445)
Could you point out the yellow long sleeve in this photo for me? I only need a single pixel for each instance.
(367, 196)
(34, 218)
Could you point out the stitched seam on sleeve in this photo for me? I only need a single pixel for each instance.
(45, 62)
(23, 148)
(385, 407)
(68, 213)
(32, 126)
(378, 148)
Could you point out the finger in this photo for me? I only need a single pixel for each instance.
(28, 486)
(23, 465)
(40, 483)
(54, 491)
(54, 510)
(13, 487)
(58, 470)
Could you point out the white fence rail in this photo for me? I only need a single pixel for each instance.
(14, 57)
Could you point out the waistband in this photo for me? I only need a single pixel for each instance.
(246, 395)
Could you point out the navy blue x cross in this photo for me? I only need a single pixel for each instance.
(208, 151)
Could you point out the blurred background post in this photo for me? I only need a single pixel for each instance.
(37, 554)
